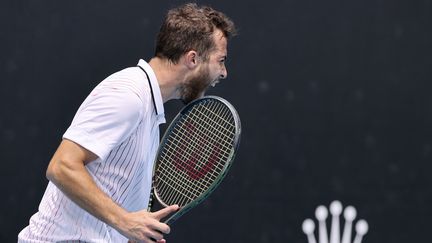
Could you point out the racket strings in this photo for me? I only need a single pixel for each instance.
(206, 123)
(223, 140)
(171, 175)
(218, 120)
(185, 190)
(212, 176)
(195, 153)
(210, 143)
(168, 175)
(206, 151)
(224, 133)
(180, 138)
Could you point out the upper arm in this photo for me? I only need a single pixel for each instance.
(70, 150)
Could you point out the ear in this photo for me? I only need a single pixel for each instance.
(191, 59)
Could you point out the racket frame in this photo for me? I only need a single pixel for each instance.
(218, 180)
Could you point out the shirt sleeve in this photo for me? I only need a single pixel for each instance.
(105, 119)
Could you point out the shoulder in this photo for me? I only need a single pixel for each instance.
(130, 79)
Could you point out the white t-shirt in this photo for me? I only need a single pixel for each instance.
(119, 122)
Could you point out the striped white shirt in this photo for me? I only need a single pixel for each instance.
(119, 122)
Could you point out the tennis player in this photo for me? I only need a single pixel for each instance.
(100, 175)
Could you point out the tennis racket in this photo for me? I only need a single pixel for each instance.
(195, 153)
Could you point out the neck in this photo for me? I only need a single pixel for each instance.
(169, 76)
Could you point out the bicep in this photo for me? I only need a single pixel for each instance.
(71, 151)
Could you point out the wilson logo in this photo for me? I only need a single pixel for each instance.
(196, 165)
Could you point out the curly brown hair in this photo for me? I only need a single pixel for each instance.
(190, 27)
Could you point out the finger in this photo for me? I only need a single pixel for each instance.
(165, 212)
(161, 228)
(159, 241)
(148, 240)
(155, 235)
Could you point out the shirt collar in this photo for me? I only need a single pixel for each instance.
(157, 96)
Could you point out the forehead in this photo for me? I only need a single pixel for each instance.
(220, 42)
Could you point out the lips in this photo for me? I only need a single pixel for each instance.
(214, 83)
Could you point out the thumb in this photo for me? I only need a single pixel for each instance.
(165, 212)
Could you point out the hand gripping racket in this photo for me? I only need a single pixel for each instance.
(195, 153)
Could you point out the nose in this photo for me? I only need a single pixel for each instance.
(224, 73)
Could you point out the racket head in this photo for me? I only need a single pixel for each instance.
(195, 154)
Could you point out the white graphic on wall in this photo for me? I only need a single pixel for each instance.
(349, 214)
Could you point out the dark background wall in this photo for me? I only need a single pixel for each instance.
(333, 96)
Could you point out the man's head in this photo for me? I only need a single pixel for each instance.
(198, 36)
(191, 27)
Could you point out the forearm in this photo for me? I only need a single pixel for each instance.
(68, 172)
(73, 179)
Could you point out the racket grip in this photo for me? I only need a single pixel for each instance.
(150, 204)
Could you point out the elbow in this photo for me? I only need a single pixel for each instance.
(67, 161)
(58, 169)
(52, 171)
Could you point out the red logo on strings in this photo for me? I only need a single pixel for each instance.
(189, 165)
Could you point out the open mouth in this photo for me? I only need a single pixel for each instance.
(214, 83)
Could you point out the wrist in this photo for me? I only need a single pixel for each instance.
(118, 219)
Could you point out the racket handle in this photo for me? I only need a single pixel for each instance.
(151, 199)
(150, 204)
